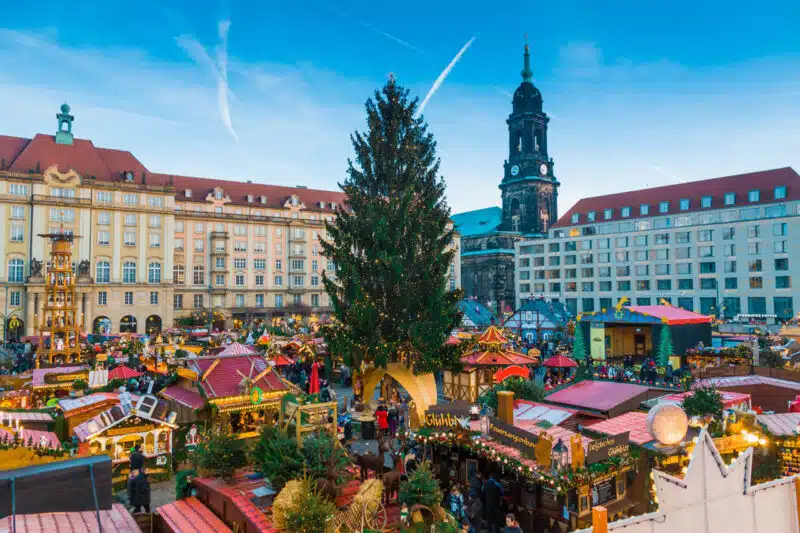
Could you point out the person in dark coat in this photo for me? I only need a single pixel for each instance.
(137, 458)
(493, 495)
(139, 492)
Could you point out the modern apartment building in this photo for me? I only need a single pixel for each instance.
(727, 246)
(155, 247)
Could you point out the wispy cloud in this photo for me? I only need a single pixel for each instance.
(218, 67)
(585, 60)
(443, 76)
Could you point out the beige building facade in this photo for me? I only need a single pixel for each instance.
(156, 249)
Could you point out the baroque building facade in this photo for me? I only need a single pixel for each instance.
(529, 192)
(154, 248)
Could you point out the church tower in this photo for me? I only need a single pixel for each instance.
(529, 187)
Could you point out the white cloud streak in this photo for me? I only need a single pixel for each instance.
(218, 67)
(389, 36)
(443, 76)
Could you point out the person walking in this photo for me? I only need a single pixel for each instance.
(137, 458)
(492, 496)
(382, 417)
(140, 493)
(392, 418)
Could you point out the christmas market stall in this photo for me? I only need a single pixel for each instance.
(489, 362)
(78, 410)
(639, 331)
(243, 391)
(56, 382)
(552, 476)
(784, 428)
(147, 422)
(767, 393)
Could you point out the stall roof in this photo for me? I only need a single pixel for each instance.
(116, 519)
(729, 398)
(25, 416)
(744, 381)
(67, 405)
(646, 314)
(190, 515)
(221, 375)
(189, 398)
(526, 411)
(634, 422)
(604, 397)
(238, 348)
(40, 373)
(781, 425)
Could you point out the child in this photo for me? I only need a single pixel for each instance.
(457, 503)
(512, 526)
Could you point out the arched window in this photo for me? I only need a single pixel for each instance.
(128, 272)
(178, 274)
(103, 273)
(16, 271)
(198, 275)
(154, 273)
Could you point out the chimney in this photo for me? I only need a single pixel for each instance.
(505, 406)
(169, 181)
(249, 181)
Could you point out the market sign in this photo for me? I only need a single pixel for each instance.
(513, 436)
(62, 378)
(445, 420)
(603, 449)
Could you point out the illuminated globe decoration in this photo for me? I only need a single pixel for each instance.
(667, 423)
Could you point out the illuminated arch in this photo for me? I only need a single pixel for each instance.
(422, 388)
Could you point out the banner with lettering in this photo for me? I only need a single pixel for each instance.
(600, 450)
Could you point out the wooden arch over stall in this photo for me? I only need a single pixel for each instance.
(421, 388)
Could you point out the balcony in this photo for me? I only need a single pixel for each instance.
(219, 235)
(297, 238)
(294, 289)
(297, 254)
(61, 200)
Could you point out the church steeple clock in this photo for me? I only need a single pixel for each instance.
(529, 187)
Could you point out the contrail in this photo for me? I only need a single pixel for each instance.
(389, 36)
(440, 80)
(219, 69)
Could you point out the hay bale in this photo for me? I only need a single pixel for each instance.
(369, 495)
(285, 502)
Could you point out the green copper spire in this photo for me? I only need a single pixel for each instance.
(527, 73)
(64, 133)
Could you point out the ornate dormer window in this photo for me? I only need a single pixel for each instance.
(218, 193)
(295, 200)
(333, 205)
(188, 193)
(250, 198)
(263, 199)
(129, 175)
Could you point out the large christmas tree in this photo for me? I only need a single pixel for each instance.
(391, 243)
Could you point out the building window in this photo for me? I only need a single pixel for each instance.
(684, 204)
(705, 202)
(130, 199)
(626, 212)
(278, 264)
(753, 248)
(779, 229)
(128, 298)
(155, 221)
(705, 235)
(662, 269)
(644, 209)
(685, 284)
(705, 251)
(153, 297)
(683, 252)
(663, 207)
(783, 282)
(259, 280)
(730, 198)
(590, 216)
(104, 218)
(315, 281)
(708, 284)
(198, 275)
(278, 281)
(754, 265)
(199, 245)
(754, 195)
(178, 274)
(219, 280)
(177, 301)
(575, 218)
(239, 262)
(756, 282)
(155, 240)
(103, 272)
(784, 310)
(664, 285)
(198, 300)
(178, 245)
(128, 272)
(298, 281)
(780, 192)
(753, 231)
(730, 267)
(102, 298)
(782, 263)
(279, 300)
(239, 300)
(779, 247)
(154, 273)
(17, 233)
(103, 197)
(239, 280)
(607, 213)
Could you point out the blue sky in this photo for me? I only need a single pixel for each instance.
(639, 96)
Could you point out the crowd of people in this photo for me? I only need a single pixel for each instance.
(648, 372)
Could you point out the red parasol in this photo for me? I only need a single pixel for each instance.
(560, 361)
(123, 372)
(282, 360)
(313, 381)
